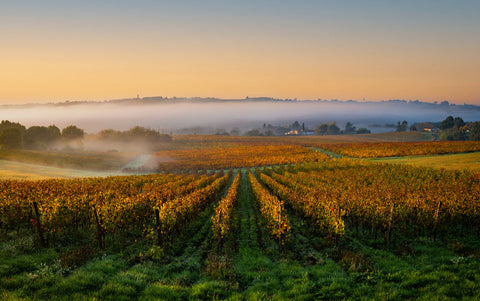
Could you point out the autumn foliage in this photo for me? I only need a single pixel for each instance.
(397, 149)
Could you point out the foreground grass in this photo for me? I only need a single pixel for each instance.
(256, 272)
(469, 161)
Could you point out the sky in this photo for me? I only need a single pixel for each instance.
(54, 51)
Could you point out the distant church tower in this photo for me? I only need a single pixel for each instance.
(138, 96)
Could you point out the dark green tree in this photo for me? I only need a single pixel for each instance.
(448, 123)
(333, 129)
(321, 129)
(402, 127)
(296, 126)
(72, 132)
(11, 138)
(254, 132)
(54, 134)
(363, 131)
(458, 122)
(475, 131)
(11, 134)
(41, 137)
(349, 128)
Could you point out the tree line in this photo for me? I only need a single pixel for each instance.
(296, 128)
(14, 135)
(456, 129)
(452, 129)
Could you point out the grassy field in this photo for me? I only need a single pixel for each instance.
(99, 161)
(470, 161)
(12, 170)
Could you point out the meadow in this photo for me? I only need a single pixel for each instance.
(251, 218)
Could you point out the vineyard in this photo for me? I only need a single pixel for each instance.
(400, 149)
(241, 220)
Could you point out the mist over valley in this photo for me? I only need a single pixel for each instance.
(210, 116)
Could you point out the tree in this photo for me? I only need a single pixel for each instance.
(453, 129)
(35, 137)
(269, 133)
(53, 134)
(254, 132)
(11, 134)
(402, 127)
(5, 124)
(349, 128)
(11, 138)
(333, 129)
(72, 132)
(221, 132)
(448, 123)
(149, 135)
(321, 129)
(40, 137)
(363, 131)
(296, 126)
(109, 134)
(458, 122)
(475, 131)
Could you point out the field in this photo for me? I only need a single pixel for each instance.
(469, 161)
(229, 218)
(97, 161)
(13, 170)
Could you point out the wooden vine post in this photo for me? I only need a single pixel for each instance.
(100, 231)
(158, 226)
(337, 236)
(280, 239)
(38, 225)
(435, 222)
(220, 237)
(391, 224)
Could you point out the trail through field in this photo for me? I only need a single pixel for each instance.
(331, 155)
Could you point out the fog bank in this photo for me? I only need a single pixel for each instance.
(244, 114)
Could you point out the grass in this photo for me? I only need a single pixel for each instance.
(74, 159)
(12, 170)
(469, 161)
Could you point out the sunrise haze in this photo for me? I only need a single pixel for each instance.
(54, 51)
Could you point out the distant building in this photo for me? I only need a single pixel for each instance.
(299, 133)
(430, 128)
